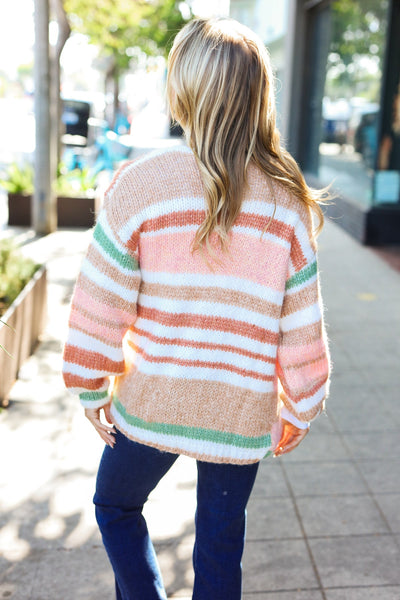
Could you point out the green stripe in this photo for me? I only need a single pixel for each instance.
(93, 396)
(125, 260)
(302, 276)
(195, 433)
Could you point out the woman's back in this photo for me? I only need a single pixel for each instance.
(205, 339)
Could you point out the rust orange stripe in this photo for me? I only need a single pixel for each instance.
(92, 360)
(206, 322)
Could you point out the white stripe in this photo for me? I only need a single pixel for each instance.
(101, 279)
(202, 373)
(310, 402)
(86, 373)
(201, 447)
(266, 208)
(307, 316)
(203, 335)
(203, 354)
(209, 309)
(153, 211)
(168, 231)
(213, 280)
(256, 233)
(86, 342)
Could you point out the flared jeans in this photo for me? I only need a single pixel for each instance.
(126, 476)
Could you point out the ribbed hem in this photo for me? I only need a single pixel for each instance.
(94, 399)
(285, 414)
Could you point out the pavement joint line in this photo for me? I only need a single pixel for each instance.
(335, 536)
(356, 465)
(303, 531)
(280, 591)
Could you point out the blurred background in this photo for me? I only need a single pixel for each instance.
(82, 89)
(337, 66)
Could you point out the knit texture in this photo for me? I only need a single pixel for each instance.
(202, 362)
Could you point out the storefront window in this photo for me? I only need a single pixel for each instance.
(349, 151)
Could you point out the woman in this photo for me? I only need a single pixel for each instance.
(199, 296)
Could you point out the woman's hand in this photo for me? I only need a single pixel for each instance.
(290, 438)
(104, 431)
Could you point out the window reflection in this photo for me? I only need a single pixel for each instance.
(350, 115)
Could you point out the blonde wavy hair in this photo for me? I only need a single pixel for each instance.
(220, 89)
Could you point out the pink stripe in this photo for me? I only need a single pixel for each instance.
(249, 258)
(291, 355)
(93, 327)
(296, 378)
(110, 313)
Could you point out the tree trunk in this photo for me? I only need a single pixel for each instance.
(64, 31)
(44, 206)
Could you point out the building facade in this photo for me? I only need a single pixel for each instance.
(337, 66)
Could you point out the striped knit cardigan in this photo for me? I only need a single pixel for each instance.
(203, 362)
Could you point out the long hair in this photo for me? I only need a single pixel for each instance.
(220, 89)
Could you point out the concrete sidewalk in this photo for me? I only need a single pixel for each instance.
(324, 522)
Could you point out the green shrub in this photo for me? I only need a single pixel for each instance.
(79, 182)
(18, 180)
(15, 272)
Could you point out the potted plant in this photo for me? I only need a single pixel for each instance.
(18, 181)
(22, 312)
(77, 201)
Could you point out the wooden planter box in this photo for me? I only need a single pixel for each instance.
(27, 318)
(19, 210)
(71, 211)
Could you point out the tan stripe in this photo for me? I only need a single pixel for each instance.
(93, 334)
(214, 294)
(307, 363)
(208, 322)
(308, 415)
(197, 403)
(301, 394)
(93, 316)
(106, 297)
(302, 299)
(301, 335)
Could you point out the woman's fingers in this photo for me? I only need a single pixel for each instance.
(290, 438)
(104, 431)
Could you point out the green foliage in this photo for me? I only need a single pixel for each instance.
(117, 27)
(18, 180)
(15, 272)
(79, 182)
(357, 47)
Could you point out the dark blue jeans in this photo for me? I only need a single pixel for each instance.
(127, 474)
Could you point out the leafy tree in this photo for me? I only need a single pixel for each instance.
(116, 27)
(358, 32)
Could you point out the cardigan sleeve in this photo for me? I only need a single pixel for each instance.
(303, 363)
(104, 301)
